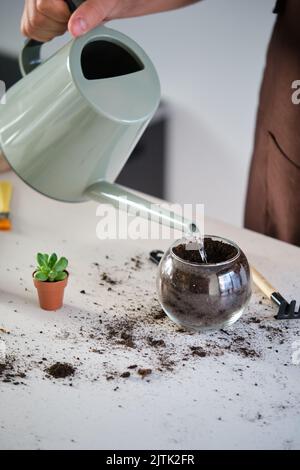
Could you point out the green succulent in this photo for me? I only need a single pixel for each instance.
(50, 268)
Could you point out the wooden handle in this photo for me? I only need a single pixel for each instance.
(262, 283)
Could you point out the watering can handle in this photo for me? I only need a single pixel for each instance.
(30, 56)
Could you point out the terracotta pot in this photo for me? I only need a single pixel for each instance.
(51, 294)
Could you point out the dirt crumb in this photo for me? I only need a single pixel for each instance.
(159, 315)
(60, 370)
(137, 263)
(247, 352)
(198, 351)
(127, 340)
(109, 280)
(144, 372)
(156, 342)
(125, 375)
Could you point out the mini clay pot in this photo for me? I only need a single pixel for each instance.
(51, 294)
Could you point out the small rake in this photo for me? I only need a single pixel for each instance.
(286, 311)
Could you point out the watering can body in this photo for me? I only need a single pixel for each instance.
(74, 120)
(69, 126)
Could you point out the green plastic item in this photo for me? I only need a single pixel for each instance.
(69, 126)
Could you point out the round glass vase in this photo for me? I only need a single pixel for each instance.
(204, 296)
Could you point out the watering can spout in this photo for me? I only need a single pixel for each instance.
(122, 198)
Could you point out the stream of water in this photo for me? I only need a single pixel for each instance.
(195, 241)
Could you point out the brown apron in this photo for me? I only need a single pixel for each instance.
(273, 199)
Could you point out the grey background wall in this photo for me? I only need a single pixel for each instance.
(210, 58)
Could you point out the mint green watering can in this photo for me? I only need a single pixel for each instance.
(69, 126)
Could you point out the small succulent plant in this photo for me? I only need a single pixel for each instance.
(50, 268)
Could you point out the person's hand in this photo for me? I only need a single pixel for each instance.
(45, 19)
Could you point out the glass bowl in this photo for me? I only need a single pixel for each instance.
(204, 296)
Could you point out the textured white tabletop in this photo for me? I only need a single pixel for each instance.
(243, 394)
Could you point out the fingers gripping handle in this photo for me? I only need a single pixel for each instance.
(30, 56)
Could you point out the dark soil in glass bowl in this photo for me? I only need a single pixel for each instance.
(203, 296)
(216, 252)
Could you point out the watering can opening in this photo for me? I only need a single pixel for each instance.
(105, 59)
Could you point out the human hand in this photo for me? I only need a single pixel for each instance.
(45, 19)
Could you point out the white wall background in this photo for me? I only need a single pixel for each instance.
(210, 58)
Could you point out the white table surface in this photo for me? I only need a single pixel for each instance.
(222, 401)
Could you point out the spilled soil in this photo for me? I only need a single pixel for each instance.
(122, 334)
(60, 370)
